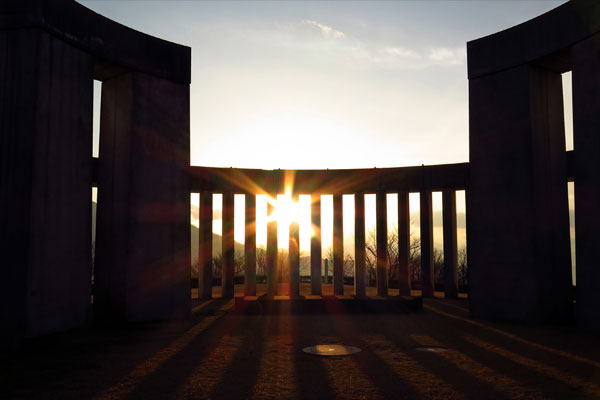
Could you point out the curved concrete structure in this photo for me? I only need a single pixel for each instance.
(51, 53)
(517, 224)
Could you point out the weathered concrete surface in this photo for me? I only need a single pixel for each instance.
(586, 132)
(315, 245)
(359, 245)
(227, 245)
(45, 184)
(383, 262)
(426, 217)
(450, 243)
(517, 210)
(143, 237)
(205, 237)
(250, 245)
(404, 272)
(544, 40)
(338, 244)
(115, 47)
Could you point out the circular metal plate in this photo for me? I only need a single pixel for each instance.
(331, 350)
(431, 349)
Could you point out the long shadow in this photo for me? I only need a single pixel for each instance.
(173, 373)
(468, 385)
(312, 381)
(524, 374)
(387, 382)
(241, 375)
(545, 353)
(85, 361)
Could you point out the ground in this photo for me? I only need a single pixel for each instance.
(217, 354)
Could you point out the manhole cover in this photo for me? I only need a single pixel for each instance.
(331, 350)
(431, 349)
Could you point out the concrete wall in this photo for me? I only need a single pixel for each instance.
(45, 184)
(143, 254)
(517, 210)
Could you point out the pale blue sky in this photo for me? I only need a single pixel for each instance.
(291, 84)
(325, 84)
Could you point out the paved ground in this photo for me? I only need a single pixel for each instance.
(220, 355)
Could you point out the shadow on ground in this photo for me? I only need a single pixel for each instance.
(219, 355)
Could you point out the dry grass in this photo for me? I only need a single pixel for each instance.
(220, 355)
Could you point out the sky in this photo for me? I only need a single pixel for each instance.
(311, 85)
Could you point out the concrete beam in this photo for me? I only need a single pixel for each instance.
(338, 245)
(271, 252)
(359, 245)
(450, 244)
(205, 256)
(404, 272)
(383, 264)
(348, 181)
(315, 246)
(228, 247)
(294, 260)
(426, 216)
(250, 246)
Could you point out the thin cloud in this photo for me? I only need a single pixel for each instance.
(447, 56)
(326, 30)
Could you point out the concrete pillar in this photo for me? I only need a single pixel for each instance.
(517, 207)
(294, 259)
(228, 246)
(338, 245)
(45, 184)
(271, 252)
(143, 229)
(450, 243)
(250, 246)
(404, 272)
(205, 274)
(359, 245)
(326, 277)
(383, 265)
(426, 215)
(586, 131)
(315, 246)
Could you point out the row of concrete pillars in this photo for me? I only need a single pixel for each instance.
(426, 224)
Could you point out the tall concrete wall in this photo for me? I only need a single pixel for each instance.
(517, 208)
(45, 184)
(518, 228)
(142, 251)
(586, 130)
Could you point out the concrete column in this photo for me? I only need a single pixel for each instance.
(383, 266)
(450, 244)
(517, 206)
(404, 272)
(45, 184)
(359, 245)
(205, 275)
(427, 274)
(250, 246)
(326, 277)
(315, 246)
(586, 123)
(338, 245)
(228, 246)
(143, 229)
(271, 252)
(294, 259)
